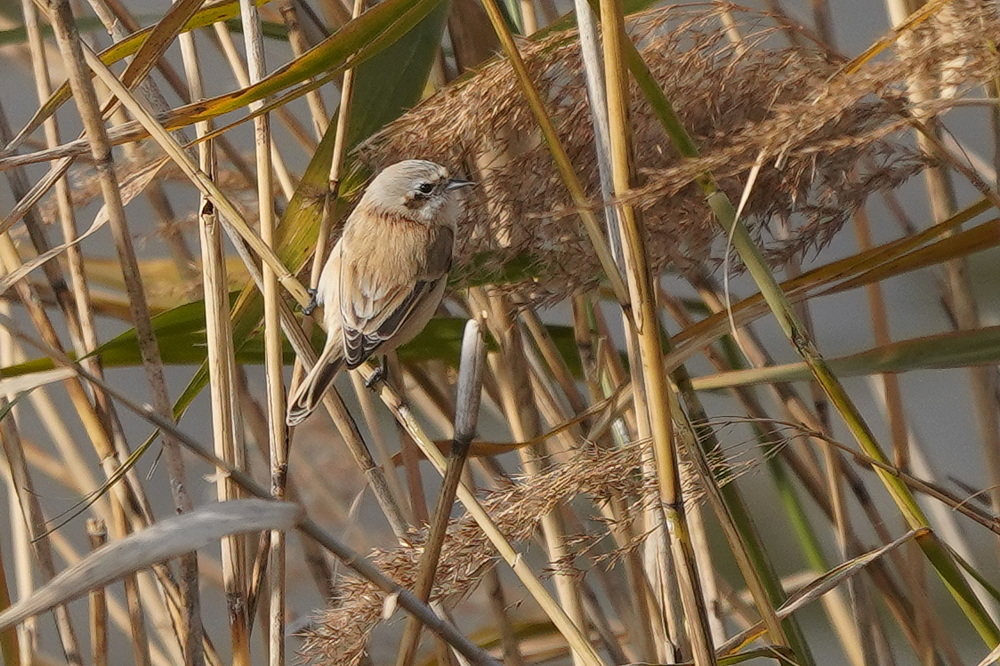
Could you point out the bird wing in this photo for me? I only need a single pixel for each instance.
(373, 311)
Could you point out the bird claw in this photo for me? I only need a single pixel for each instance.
(312, 304)
(380, 374)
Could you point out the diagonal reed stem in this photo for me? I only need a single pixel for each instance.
(246, 482)
(70, 45)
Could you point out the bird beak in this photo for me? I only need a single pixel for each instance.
(456, 184)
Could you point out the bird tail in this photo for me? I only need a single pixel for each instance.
(313, 386)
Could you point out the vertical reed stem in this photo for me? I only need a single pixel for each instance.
(97, 534)
(647, 332)
(277, 434)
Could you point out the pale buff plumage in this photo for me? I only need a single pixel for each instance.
(386, 275)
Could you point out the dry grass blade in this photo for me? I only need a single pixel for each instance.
(882, 262)
(13, 385)
(130, 189)
(820, 586)
(957, 349)
(166, 539)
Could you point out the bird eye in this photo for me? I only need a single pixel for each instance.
(425, 188)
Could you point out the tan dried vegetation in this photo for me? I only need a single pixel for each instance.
(827, 141)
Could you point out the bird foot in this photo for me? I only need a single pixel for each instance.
(312, 304)
(381, 374)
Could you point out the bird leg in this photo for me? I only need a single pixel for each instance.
(311, 305)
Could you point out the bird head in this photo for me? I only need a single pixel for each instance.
(418, 190)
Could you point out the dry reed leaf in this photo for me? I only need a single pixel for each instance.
(11, 385)
(165, 539)
(828, 141)
(130, 188)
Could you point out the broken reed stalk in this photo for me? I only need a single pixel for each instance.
(223, 390)
(222, 387)
(207, 229)
(469, 390)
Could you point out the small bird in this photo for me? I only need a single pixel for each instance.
(386, 275)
